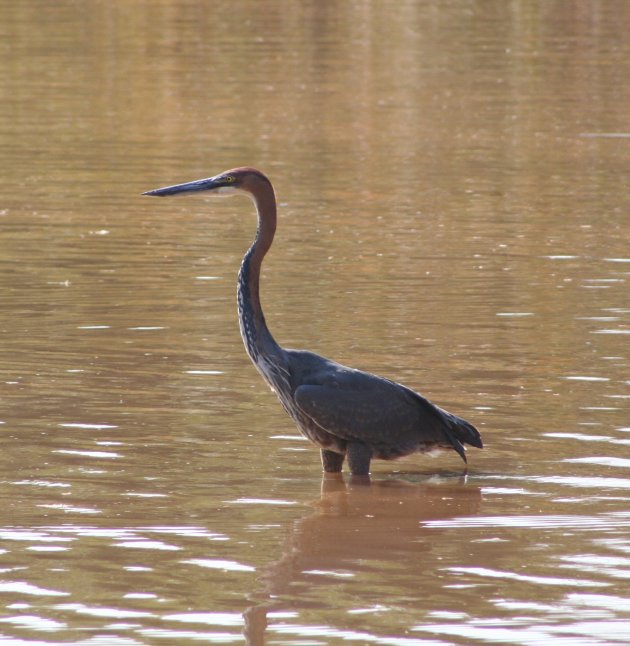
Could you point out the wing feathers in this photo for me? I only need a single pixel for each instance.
(353, 405)
(385, 416)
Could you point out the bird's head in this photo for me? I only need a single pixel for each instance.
(246, 180)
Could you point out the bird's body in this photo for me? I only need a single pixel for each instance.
(347, 413)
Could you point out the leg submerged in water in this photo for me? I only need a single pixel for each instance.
(359, 456)
(332, 461)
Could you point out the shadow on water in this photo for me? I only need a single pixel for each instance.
(356, 527)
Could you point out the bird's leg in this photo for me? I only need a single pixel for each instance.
(359, 456)
(331, 461)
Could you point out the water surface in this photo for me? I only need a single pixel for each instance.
(452, 180)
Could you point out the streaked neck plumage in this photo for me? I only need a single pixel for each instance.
(259, 343)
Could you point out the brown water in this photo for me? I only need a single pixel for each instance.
(453, 181)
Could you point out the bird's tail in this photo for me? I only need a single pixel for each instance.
(467, 433)
(461, 432)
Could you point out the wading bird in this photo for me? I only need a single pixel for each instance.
(347, 413)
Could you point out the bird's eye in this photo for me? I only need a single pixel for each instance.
(229, 179)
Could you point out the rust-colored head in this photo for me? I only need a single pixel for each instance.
(248, 180)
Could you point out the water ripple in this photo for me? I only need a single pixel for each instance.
(22, 587)
(539, 580)
(604, 461)
(581, 437)
(221, 564)
(34, 622)
(94, 611)
(211, 618)
(603, 521)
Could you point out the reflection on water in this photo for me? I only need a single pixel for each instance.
(356, 532)
(452, 180)
(390, 553)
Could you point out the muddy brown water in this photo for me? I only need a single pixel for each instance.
(454, 214)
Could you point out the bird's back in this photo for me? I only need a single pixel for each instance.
(334, 404)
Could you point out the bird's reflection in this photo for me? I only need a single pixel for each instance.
(356, 523)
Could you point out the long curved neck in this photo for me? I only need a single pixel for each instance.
(257, 338)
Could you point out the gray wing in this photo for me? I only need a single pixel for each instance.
(358, 406)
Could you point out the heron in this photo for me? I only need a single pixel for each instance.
(349, 414)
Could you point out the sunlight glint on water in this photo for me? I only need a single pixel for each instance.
(452, 185)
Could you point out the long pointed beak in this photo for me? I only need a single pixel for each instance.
(188, 187)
